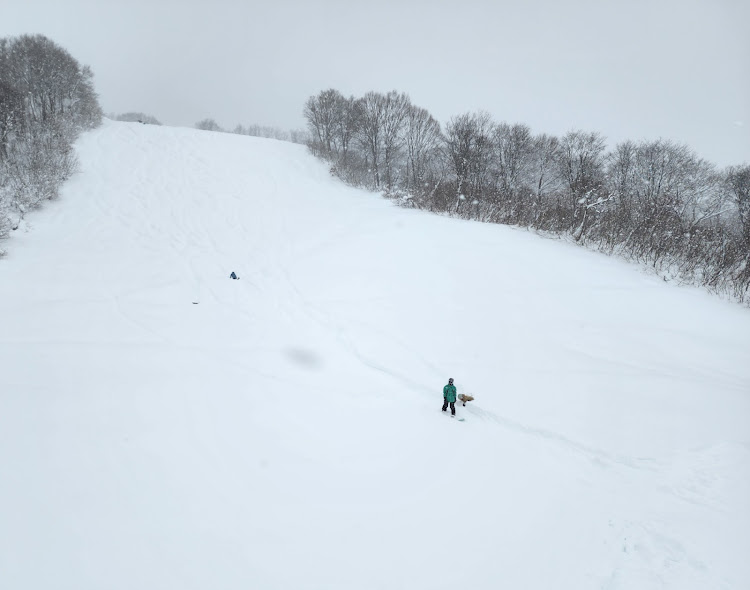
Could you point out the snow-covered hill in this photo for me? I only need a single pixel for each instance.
(165, 427)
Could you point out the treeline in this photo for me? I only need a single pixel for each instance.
(655, 202)
(135, 117)
(46, 99)
(294, 136)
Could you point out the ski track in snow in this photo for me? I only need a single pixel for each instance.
(164, 426)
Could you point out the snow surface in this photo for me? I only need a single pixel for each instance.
(285, 432)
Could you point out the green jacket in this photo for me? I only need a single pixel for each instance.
(449, 393)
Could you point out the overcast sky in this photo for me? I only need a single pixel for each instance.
(630, 69)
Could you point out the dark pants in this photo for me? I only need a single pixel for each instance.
(453, 406)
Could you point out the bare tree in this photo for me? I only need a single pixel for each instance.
(322, 113)
(82, 100)
(512, 168)
(662, 192)
(11, 116)
(544, 173)
(395, 108)
(346, 126)
(380, 131)
(468, 141)
(581, 165)
(423, 141)
(738, 178)
(333, 122)
(372, 109)
(208, 125)
(513, 149)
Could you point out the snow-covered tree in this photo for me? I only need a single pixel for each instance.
(46, 99)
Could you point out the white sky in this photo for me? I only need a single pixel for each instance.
(635, 69)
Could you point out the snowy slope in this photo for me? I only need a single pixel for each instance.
(285, 433)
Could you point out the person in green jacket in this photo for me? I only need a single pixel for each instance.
(449, 397)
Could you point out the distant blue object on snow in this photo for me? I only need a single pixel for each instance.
(233, 276)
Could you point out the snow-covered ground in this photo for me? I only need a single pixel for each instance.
(165, 427)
